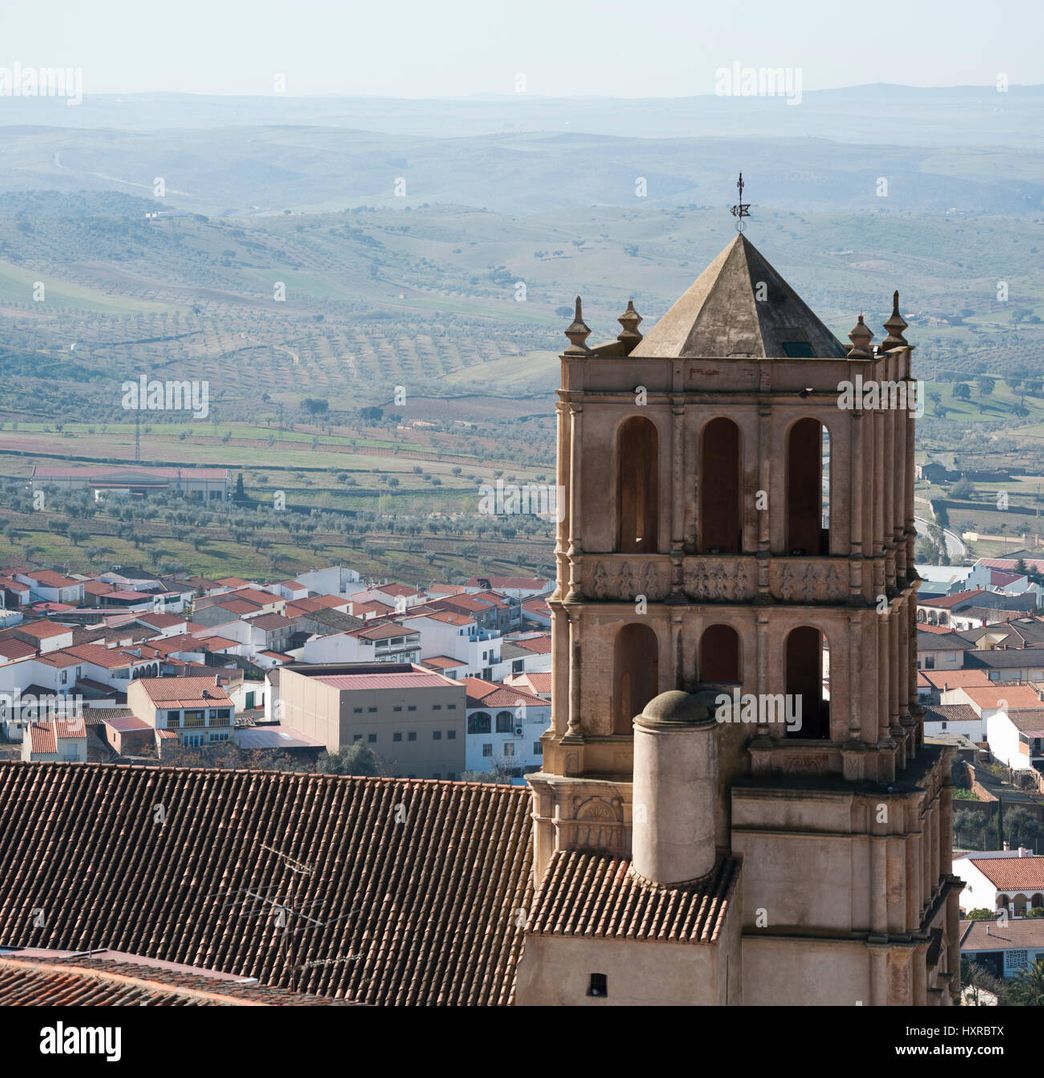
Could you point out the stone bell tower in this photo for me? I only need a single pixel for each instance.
(739, 514)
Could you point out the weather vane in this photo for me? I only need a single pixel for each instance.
(741, 209)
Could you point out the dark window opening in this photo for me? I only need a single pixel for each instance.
(807, 503)
(805, 681)
(599, 985)
(720, 527)
(637, 481)
(636, 672)
(720, 655)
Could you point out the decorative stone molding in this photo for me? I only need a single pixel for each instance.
(810, 580)
(713, 578)
(622, 578)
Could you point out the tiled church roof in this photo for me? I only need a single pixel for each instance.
(395, 891)
(589, 894)
(102, 982)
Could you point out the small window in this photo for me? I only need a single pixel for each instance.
(795, 350)
(538, 749)
(372, 739)
(396, 737)
(509, 748)
(487, 750)
(357, 737)
(412, 735)
(372, 710)
(598, 985)
(356, 710)
(451, 735)
(411, 707)
(436, 735)
(436, 707)
(396, 709)
(451, 707)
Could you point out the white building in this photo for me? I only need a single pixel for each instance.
(457, 636)
(1016, 737)
(504, 727)
(48, 587)
(63, 740)
(385, 642)
(1011, 880)
(333, 580)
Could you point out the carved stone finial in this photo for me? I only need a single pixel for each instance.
(895, 326)
(860, 338)
(630, 320)
(578, 332)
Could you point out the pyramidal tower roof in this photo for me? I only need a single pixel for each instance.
(739, 308)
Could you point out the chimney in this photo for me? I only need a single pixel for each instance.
(217, 680)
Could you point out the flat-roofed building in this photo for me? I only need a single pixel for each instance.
(412, 718)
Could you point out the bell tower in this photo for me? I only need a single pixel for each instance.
(739, 514)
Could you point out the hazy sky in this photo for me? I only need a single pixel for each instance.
(434, 48)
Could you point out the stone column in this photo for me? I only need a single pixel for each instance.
(575, 500)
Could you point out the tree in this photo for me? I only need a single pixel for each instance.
(239, 495)
(962, 391)
(315, 405)
(354, 759)
(1026, 988)
(986, 385)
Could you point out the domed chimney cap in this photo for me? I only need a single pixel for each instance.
(677, 708)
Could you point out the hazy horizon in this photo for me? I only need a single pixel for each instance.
(583, 50)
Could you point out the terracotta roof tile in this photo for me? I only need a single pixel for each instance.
(78, 981)
(1012, 873)
(422, 911)
(587, 893)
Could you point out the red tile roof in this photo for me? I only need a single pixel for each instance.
(184, 692)
(237, 606)
(10, 648)
(42, 630)
(947, 601)
(589, 894)
(423, 911)
(360, 610)
(48, 579)
(1012, 873)
(41, 737)
(395, 589)
(448, 617)
(443, 662)
(109, 658)
(487, 694)
(43, 980)
(99, 587)
(161, 621)
(541, 645)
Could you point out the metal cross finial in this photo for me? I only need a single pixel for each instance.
(741, 209)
